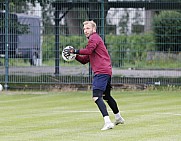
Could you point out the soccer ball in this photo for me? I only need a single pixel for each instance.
(68, 58)
(1, 87)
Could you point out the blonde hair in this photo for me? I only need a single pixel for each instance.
(90, 22)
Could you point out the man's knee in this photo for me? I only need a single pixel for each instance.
(95, 98)
(97, 94)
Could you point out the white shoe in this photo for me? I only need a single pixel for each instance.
(108, 126)
(119, 121)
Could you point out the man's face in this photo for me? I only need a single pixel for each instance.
(88, 30)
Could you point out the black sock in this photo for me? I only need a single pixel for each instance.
(102, 107)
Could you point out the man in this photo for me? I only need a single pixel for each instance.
(97, 54)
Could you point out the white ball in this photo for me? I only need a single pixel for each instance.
(1, 87)
(68, 58)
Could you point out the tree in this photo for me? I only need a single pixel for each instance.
(167, 29)
(42, 2)
(123, 22)
(75, 16)
(94, 12)
(72, 17)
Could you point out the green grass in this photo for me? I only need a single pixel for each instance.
(72, 116)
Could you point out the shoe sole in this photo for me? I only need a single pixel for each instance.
(119, 123)
(107, 128)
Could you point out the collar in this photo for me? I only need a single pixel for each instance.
(92, 34)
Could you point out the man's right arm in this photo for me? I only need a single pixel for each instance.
(83, 58)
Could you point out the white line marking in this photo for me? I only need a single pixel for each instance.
(81, 111)
(174, 114)
(88, 111)
(85, 111)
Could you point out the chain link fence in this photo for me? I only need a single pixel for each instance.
(142, 37)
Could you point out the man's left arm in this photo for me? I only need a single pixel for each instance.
(86, 51)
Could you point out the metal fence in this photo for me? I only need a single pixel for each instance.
(142, 37)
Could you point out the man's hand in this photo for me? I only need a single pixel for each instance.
(71, 51)
(68, 53)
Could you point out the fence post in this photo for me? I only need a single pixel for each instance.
(102, 20)
(57, 41)
(6, 44)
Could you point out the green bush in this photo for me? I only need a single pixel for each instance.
(117, 46)
(48, 47)
(129, 49)
(123, 49)
(167, 31)
(49, 44)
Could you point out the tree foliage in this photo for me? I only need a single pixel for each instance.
(167, 30)
(42, 2)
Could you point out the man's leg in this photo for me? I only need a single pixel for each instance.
(113, 105)
(97, 97)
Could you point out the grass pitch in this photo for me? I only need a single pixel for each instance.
(73, 116)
